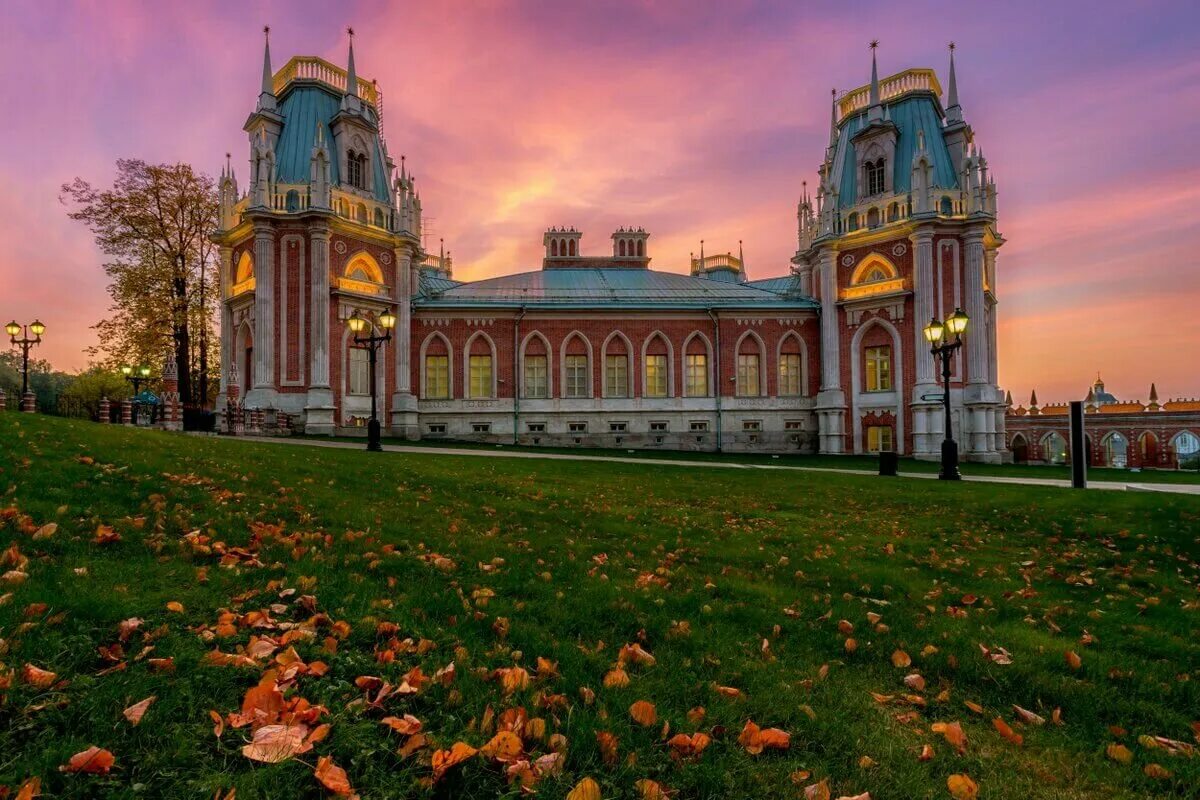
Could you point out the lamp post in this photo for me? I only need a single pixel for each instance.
(938, 335)
(358, 324)
(135, 375)
(25, 343)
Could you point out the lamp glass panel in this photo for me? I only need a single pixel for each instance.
(12, 328)
(958, 321)
(934, 331)
(38, 328)
(387, 321)
(126, 369)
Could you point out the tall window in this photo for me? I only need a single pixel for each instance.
(536, 383)
(789, 374)
(656, 376)
(481, 376)
(577, 376)
(437, 377)
(360, 371)
(879, 437)
(616, 376)
(696, 378)
(879, 369)
(875, 177)
(747, 375)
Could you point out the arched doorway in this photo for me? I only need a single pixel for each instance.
(1116, 450)
(1054, 448)
(1020, 449)
(1148, 447)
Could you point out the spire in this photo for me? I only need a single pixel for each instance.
(1153, 406)
(875, 111)
(1008, 399)
(1033, 398)
(953, 110)
(833, 130)
(350, 100)
(266, 98)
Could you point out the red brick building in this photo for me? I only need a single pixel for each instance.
(603, 350)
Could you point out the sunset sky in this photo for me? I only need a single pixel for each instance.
(694, 120)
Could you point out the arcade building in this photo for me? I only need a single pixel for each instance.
(603, 350)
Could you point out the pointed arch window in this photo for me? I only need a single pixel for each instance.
(874, 176)
(356, 169)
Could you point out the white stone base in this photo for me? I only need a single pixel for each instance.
(405, 422)
(319, 413)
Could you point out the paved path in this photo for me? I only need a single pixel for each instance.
(1174, 488)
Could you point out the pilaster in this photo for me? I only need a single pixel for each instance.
(831, 400)
(319, 408)
(404, 403)
(262, 394)
(925, 441)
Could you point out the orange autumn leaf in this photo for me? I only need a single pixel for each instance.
(696, 715)
(650, 790)
(616, 678)
(275, 743)
(608, 747)
(586, 789)
(443, 760)
(406, 725)
(33, 788)
(175, 607)
(35, 676)
(962, 787)
(1073, 660)
(755, 739)
(1119, 753)
(138, 710)
(1007, 732)
(218, 723)
(683, 745)
(901, 659)
(643, 713)
(504, 746)
(953, 732)
(94, 760)
(332, 777)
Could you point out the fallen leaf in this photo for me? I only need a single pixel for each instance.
(1119, 753)
(443, 760)
(962, 787)
(94, 760)
(504, 746)
(643, 713)
(332, 777)
(138, 710)
(586, 789)
(275, 743)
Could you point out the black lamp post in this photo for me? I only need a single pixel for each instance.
(358, 324)
(938, 335)
(135, 375)
(25, 343)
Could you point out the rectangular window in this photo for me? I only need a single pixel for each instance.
(751, 425)
(879, 369)
(437, 377)
(577, 427)
(658, 427)
(879, 437)
(535, 427)
(481, 376)
(656, 376)
(747, 375)
(789, 374)
(616, 376)
(793, 425)
(697, 376)
(437, 430)
(698, 425)
(577, 378)
(618, 427)
(481, 427)
(536, 383)
(360, 371)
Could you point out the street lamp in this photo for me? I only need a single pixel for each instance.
(135, 375)
(25, 343)
(358, 324)
(938, 335)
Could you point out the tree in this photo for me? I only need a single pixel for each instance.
(155, 224)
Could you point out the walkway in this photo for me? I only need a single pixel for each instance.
(1174, 488)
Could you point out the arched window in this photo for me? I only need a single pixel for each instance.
(873, 218)
(695, 366)
(554, 248)
(641, 245)
(872, 269)
(1020, 449)
(1116, 450)
(616, 366)
(435, 378)
(1054, 448)
(893, 212)
(1148, 445)
(358, 371)
(1187, 449)
(878, 368)
(657, 365)
(481, 373)
(750, 376)
(852, 222)
(247, 342)
(536, 383)
(577, 368)
(362, 267)
(292, 201)
(361, 213)
(621, 247)
(379, 218)
(571, 246)
(353, 166)
(245, 267)
(875, 182)
(791, 366)
(947, 207)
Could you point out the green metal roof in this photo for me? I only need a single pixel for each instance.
(625, 288)
(910, 114)
(784, 284)
(303, 107)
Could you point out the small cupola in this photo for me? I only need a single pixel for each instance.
(629, 244)
(725, 267)
(562, 243)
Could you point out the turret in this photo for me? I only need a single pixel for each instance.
(227, 195)
(266, 97)
(630, 244)
(319, 170)
(350, 100)
(1033, 403)
(953, 109)
(1153, 405)
(562, 243)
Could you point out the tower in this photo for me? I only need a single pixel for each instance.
(324, 231)
(903, 230)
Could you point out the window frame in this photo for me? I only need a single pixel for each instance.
(474, 377)
(661, 382)
(352, 371)
(539, 381)
(787, 376)
(877, 364)
(743, 377)
(444, 373)
(576, 369)
(883, 436)
(695, 366)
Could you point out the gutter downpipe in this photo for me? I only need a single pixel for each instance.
(716, 370)
(516, 364)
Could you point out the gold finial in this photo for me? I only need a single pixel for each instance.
(874, 43)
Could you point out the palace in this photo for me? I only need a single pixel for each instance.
(603, 350)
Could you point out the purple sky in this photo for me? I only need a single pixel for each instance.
(692, 120)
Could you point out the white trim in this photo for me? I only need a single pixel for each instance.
(562, 366)
(467, 367)
(896, 403)
(520, 379)
(792, 334)
(629, 373)
(670, 365)
(449, 366)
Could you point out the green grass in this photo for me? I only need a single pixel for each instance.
(583, 558)
(843, 462)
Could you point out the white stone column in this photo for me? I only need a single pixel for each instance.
(319, 409)
(404, 421)
(980, 392)
(225, 281)
(831, 400)
(924, 297)
(262, 394)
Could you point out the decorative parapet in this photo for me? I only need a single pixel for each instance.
(243, 287)
(910, 80)
(859, 291)
(311, 69)
(357, 286)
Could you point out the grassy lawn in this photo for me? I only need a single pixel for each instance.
(846, 462)
(861, 616)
